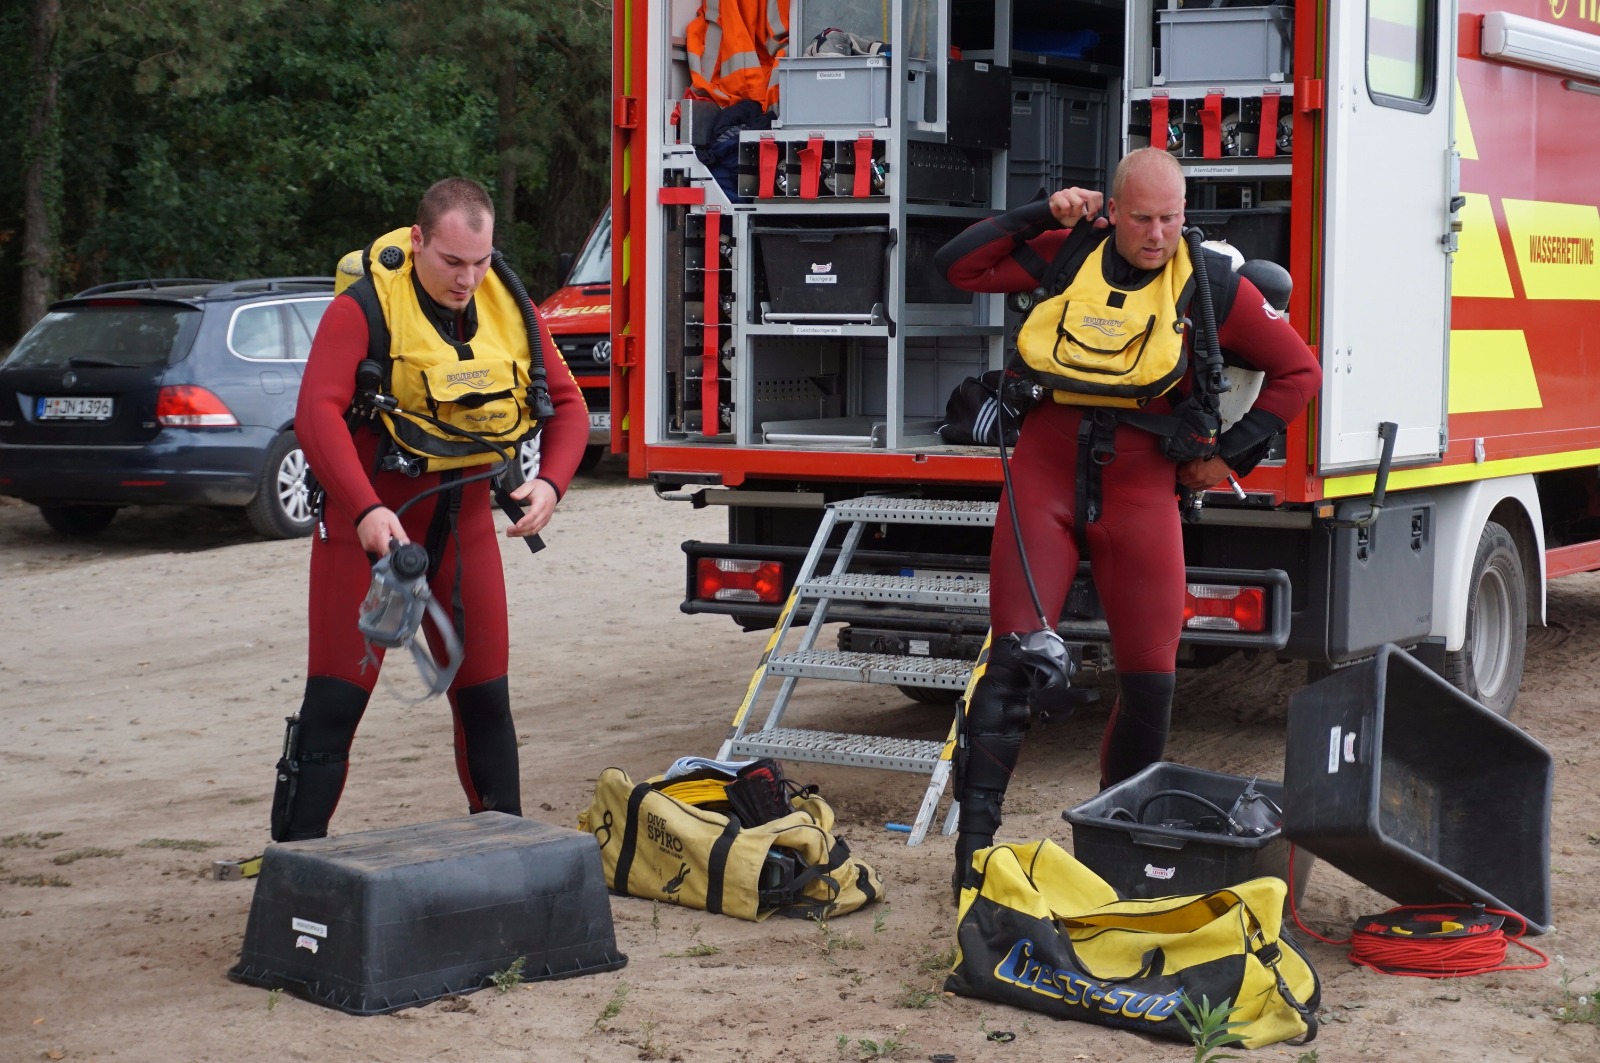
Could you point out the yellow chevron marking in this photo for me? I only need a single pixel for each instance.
(1555, 245)
(1480, 266)
(1490, 369)
(1465, 144)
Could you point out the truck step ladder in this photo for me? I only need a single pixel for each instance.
(805, 661)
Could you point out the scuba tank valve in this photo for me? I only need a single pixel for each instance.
(393, 610)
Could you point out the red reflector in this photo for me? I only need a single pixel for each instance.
(727, 580)
(1221, 607)
(143, 483)
(190, 406)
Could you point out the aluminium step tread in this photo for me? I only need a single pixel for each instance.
(834, 747)
(970, 591)
(916, 511)
(853, 666)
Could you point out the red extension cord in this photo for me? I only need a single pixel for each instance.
(1439, 941)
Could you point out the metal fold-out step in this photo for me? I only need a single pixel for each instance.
(849, 666)
(832, 747)
(968, 592)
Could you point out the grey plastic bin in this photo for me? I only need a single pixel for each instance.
(832, 90)
(1220, 45)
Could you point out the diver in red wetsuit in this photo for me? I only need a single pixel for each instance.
(441, 305)
(1133, 534)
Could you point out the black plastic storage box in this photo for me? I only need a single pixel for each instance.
(1404, 783)
(1144, 859)
(1258, 232)
(381, 920)
(824, 273)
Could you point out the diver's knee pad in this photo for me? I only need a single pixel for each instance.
(487, 758)
(1136, 735)
(315, 761)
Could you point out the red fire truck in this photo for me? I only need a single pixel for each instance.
(1421, 169)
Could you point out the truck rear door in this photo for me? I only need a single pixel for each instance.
(1386, 257)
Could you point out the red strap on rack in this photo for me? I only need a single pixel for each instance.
(863, 182)
(1211, 126)
(1158, 121)
(709, 368)
(1267, 141)
(768, 158)
(811, 166)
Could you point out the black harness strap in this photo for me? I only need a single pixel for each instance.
(1096, 450)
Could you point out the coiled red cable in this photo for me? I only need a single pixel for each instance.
(1478, 947)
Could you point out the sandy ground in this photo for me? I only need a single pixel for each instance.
(144, 677)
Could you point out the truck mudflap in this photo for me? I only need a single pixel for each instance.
(1225, 607)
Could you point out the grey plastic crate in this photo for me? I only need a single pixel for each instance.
(1082, 125)
(1032, 131)
(1226, 44)
(1024, 181)
(832, 90)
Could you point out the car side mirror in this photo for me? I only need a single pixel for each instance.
(564, 267)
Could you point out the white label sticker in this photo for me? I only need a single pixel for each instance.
(306, 926)
(917, 647)
(980, 67)
(1163, 873)
(1333, 750)
(830, 75)
(1350, 748)
(822, 278)
(1019, 109)
(306, 941)
(1213, 171)
(819, 330)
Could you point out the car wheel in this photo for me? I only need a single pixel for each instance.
(591, 456)
(525, 468)
(80, 521)
(1488, 666)
(281, 508)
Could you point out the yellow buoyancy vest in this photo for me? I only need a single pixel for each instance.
(1099, 345)
(446, 388)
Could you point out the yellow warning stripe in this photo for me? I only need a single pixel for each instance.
(1479, 271)
(1435, 475)
(1491, 369)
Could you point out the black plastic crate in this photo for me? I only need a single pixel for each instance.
(1258, 232)
(1408, 785)
(1145, 859)
(380, 920)
(837, 272)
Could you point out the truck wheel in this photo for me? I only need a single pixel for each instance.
(591, 457)
(1488, 666)
(930, 695)
(81, 522)
(525, 468)
(281, 508)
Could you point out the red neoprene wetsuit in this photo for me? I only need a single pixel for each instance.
(340, 569)
(1136, 544)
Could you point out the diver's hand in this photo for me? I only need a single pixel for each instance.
(377, 528)
(540, 498)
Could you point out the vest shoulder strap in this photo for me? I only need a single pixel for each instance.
(366, 297)
(1072, 254)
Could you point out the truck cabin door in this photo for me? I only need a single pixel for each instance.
(1386, 269)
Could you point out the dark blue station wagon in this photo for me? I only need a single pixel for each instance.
(165, 391)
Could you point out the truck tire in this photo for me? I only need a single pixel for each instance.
(281, 508)
(937, 696)
(80, 522)
(1488, 666)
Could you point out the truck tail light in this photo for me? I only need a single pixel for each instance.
(1222, 607)
(728, 580)
(189, 406)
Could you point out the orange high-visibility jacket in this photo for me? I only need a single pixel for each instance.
(733, 46)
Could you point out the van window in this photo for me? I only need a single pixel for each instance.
(594, 261)
(1400, 52)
